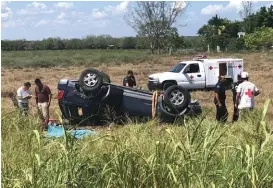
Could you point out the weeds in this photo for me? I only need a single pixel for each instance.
(201, 153)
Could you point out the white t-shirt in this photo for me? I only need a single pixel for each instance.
(247, 91)
(23, 93)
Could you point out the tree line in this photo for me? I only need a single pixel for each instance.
(97, 42)
(257, 27)
(154, 24)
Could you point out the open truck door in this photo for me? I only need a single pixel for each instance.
(238, 67)
(212, 73)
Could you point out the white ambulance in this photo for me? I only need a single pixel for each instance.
(197, 74)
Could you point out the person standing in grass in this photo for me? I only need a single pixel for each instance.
(129, 80)
(220, 100)
(43, 99)
(246, 91)
(24, 94)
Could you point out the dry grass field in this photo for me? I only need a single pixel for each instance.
(259, 66)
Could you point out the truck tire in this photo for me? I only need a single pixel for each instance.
(90, 80)
(106, 78)
(177, 98)
(167, 84)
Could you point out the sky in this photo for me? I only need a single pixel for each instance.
(77, 19)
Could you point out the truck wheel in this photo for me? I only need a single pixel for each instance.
(106, 78)
(177, 98)
(90, 80)
(167, 85)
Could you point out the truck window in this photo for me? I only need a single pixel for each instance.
(192, 68)
(177, 68)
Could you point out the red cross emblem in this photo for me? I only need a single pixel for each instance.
(240, 66)
(191, 77)
(210, 68)
(249, 93)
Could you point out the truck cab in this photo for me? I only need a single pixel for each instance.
(197, 74)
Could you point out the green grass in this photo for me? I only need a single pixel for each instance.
(201, 153)
(22, 59)
(49, 58)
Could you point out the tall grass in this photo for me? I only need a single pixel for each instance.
(202, 153)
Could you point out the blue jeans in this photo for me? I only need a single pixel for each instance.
(23, 108)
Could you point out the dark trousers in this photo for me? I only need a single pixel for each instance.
(221, 112)
(235, 114)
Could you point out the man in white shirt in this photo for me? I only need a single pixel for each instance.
(24, 94)
(246, 91)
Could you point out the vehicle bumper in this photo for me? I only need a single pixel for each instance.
(154, 85)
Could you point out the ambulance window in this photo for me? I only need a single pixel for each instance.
(192, 68)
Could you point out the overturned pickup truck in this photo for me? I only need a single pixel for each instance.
(94, 100)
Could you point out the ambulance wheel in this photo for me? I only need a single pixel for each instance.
(177, 98)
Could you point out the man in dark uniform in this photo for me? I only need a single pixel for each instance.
(220, 100)
(234, 93)
(129, 80)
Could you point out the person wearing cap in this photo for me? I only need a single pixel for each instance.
(24, 94)
(129, 80)
(220, 100)
(245, 94)
(234, 94)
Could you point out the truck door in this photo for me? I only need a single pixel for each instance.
(238, 67)
(212, 68)
(195, 76)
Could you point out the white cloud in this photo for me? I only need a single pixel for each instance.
(61, 15)
(234, 5)
(122, 7)
(64, 5)
(37, 5)
(98, 14)
(35, 9)
(119, 9)
(42, 22)
(212, 9)
(6, 12)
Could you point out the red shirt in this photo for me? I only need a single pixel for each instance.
(43, 95)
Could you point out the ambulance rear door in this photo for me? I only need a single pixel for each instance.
(212, 72)
(238, 67)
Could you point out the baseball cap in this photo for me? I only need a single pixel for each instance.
(244, 75)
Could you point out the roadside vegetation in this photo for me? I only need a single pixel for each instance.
(201, 153)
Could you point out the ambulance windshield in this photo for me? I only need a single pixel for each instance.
(177, 68)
